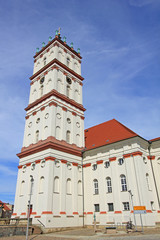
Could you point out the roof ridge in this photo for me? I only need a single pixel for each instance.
(99, 124)
(126, 128)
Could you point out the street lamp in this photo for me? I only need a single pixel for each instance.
(29, 205)
(130, 192)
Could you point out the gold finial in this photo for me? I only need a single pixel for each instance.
(59, 31)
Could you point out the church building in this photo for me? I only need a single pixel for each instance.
(69, 176)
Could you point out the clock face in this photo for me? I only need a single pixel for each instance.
(69, 81)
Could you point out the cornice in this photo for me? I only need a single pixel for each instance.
(52, 143)
(61, 42)
(56, 94)
(61, 65)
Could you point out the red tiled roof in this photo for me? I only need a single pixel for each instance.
(154, 139)
(106, 133)
(5, 207)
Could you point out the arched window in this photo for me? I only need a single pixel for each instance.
(37, 136)
(68, 61)
(22, 190)
(75, 66)
(76, 95)
(56, 185)
(109, 185)
(79, 187)
(77, 140)
(41, 90)
(41, 185)
(123, 183)
(68, 91)
(96, 190)
(59, 85)
(148, 182)
(60, 56)
(58, 132)
(68, 187)
(45, 61)
(68, 136)
(45, 132)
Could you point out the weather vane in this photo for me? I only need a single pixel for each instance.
(59, 30)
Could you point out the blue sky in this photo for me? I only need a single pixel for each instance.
(120, 46)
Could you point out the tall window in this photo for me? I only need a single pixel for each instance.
(95, 182)
(79, 187)
(68, 136)
(56, 185)
(41, 90)
(96, 208)
(69, 191)
(123, 183)
(58, 132)
(37, 136)
(68, 61)
(109, 185)
(68, 91)
(22, 188)
(148, 182)
(110, 207)
(126, 206)
(45, 61)
(41, 185)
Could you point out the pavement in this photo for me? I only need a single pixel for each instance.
(88, 234)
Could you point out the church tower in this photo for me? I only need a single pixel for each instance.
(50, 167)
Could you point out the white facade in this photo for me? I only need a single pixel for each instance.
(70, 182)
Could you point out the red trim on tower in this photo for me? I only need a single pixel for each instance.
(38, 161)
(23, 213)
(87, 165)
(104, 212)
(14, 214)
(75, 213)
(82, 117)
(151, 157)
(112, 159)
(52, 143)
(26, 117)
(42, 108)
(56, 44)
(127, 155)
(34, 113)
(100, 162)
(47, 212)
(61, 65)
(158, 211)
(28, 164)
(46, 73)
(33, 213)
(89, 212)
(62, 212)
(74, 114)
(50, 158)
(53, 104)
(37, 217)
(64, 109)
(58, 95)
(20, 166)
(63, 161)
(138, 153)
(148, 211)
(74, 164)
(117, 212)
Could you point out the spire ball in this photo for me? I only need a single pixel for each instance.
(71, 44)
(78, 50)
(37, 49)
(50, 38)
(43, 44)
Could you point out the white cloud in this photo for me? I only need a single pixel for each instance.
(141, 3)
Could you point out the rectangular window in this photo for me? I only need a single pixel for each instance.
(110, 207)
(126, 206)
(96, 208)
(152, 206)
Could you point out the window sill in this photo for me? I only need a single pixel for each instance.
(56, 192)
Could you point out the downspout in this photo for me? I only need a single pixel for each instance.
(82, 187)
(149, 151)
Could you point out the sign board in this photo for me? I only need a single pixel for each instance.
(141, 208)
(140, 211)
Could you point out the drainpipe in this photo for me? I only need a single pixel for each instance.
(149, 151)
(82, 187)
